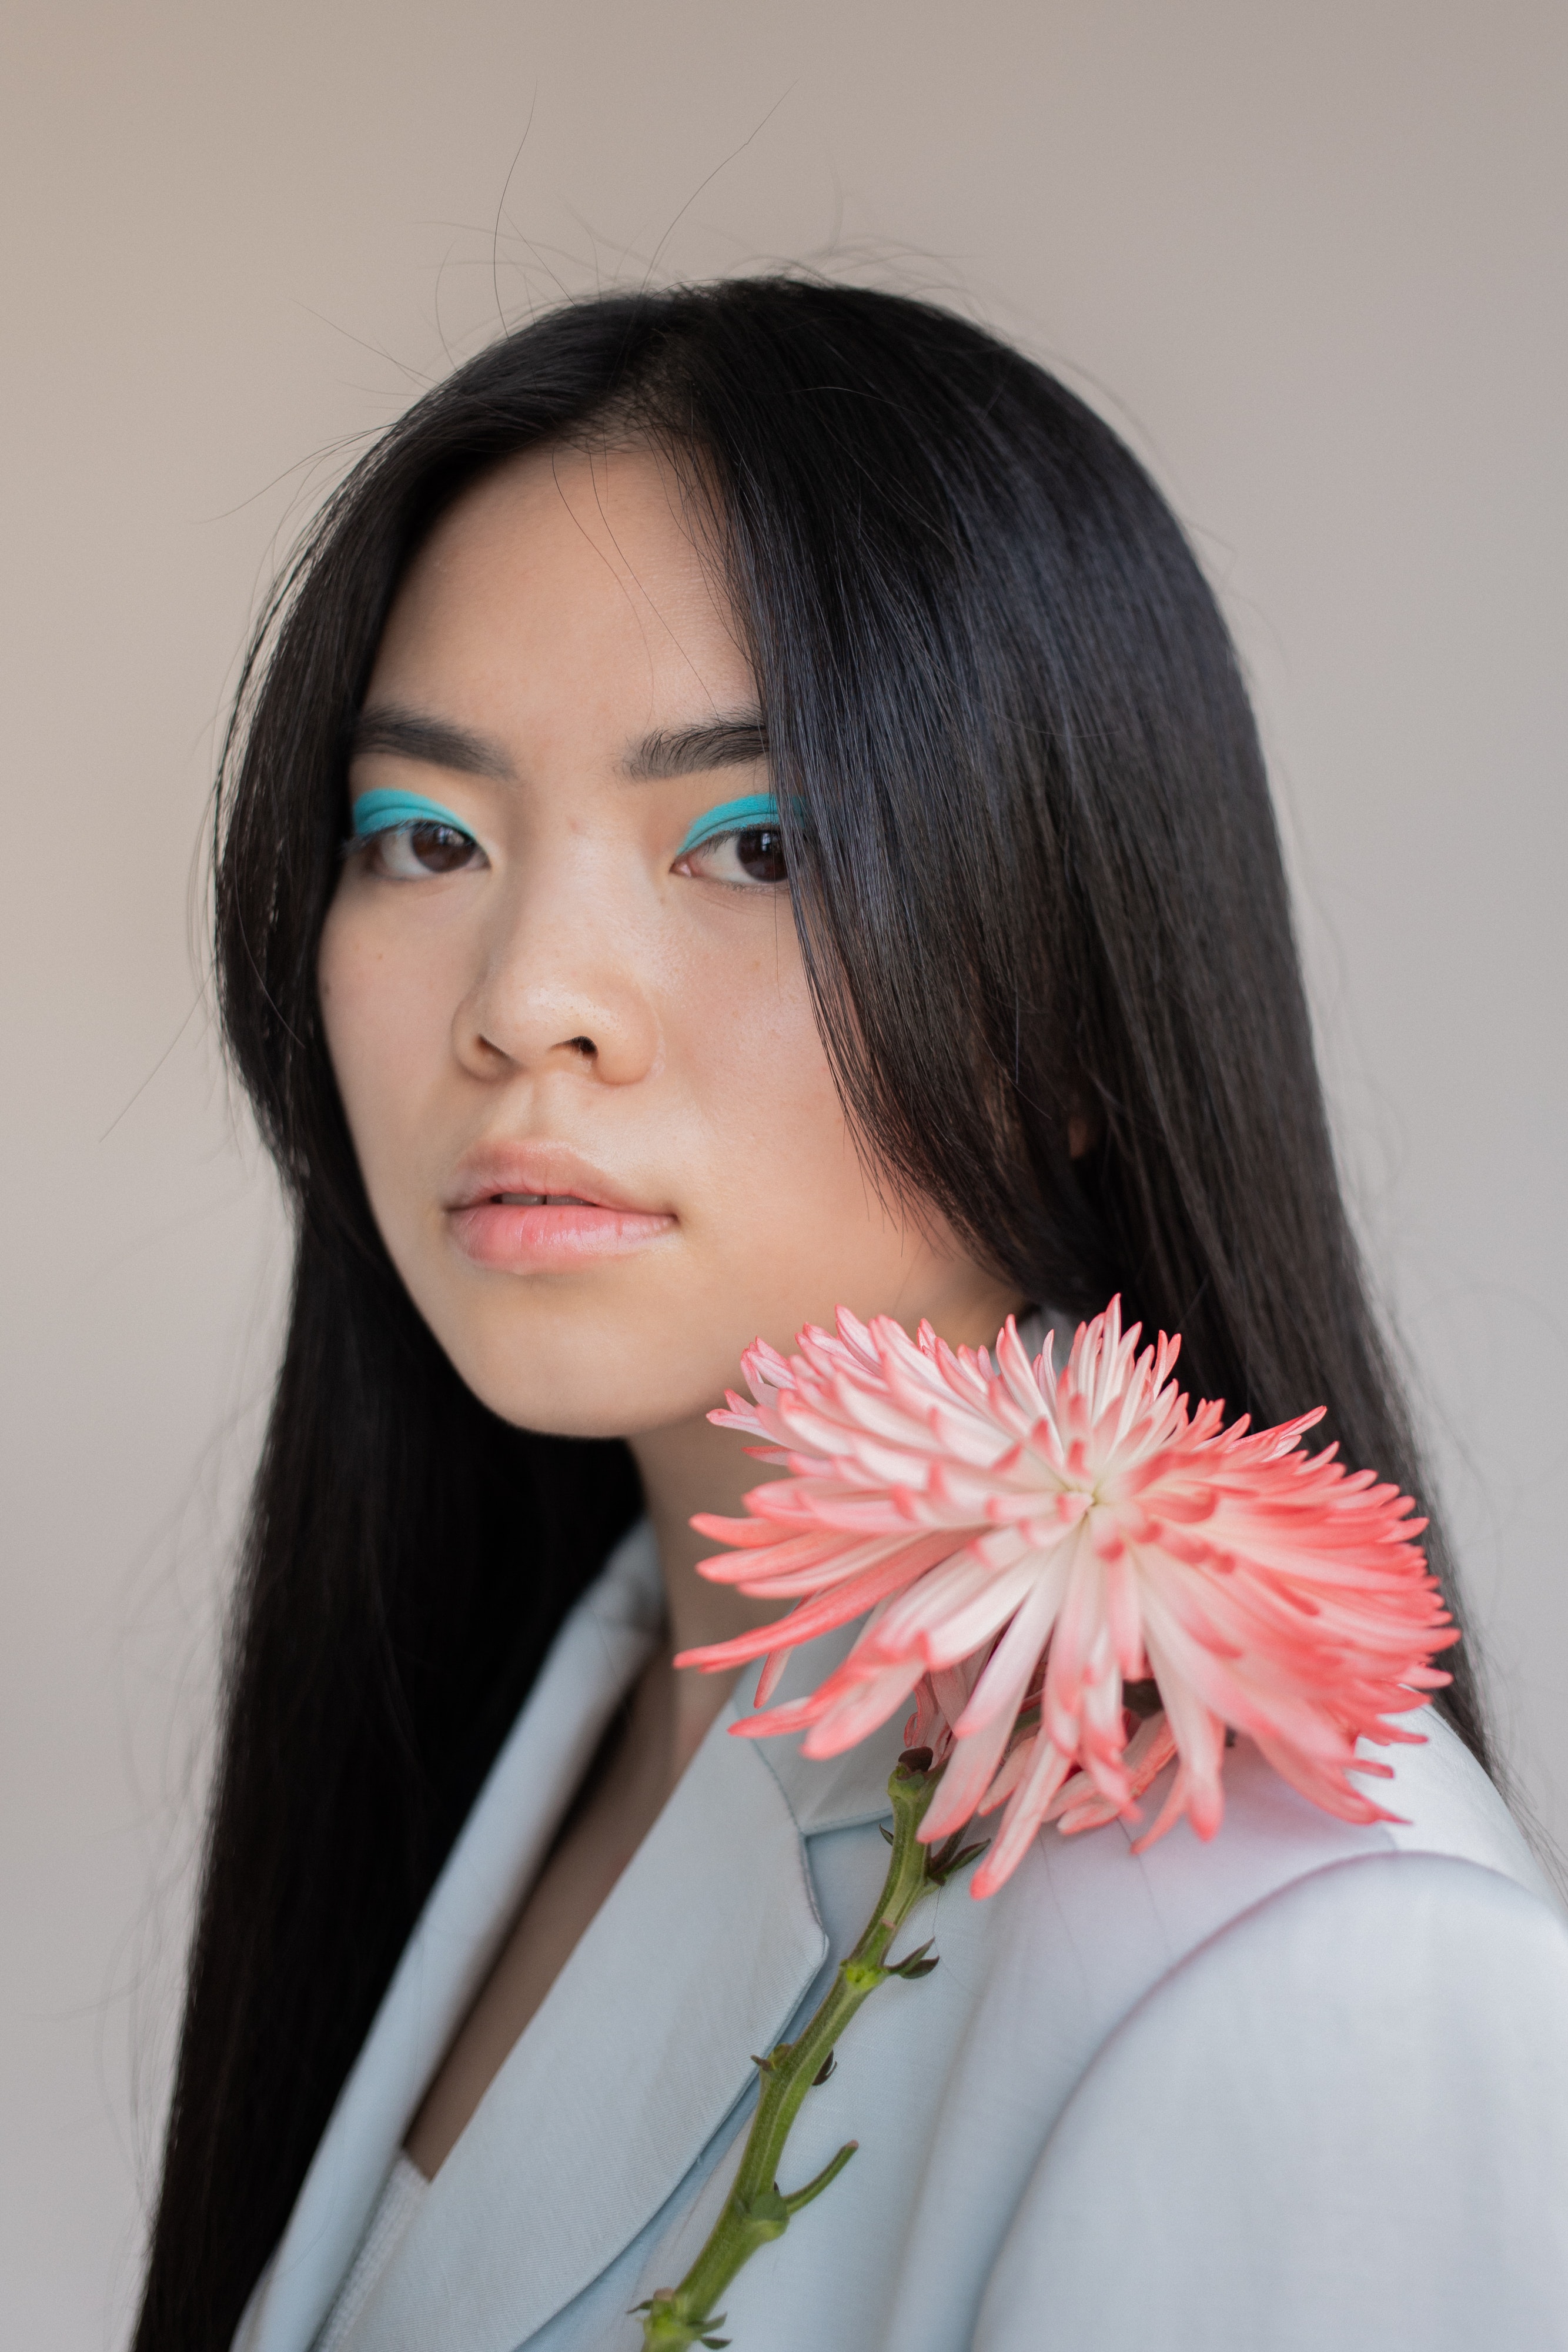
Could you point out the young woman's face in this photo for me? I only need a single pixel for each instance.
(563, 994)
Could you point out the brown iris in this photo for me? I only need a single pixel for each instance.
(760, 850)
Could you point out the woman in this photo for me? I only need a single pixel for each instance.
(807, 844)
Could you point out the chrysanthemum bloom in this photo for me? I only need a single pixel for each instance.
(1030, 1544)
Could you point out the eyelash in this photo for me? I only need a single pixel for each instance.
(387, 812)
(716, 840)
(374, 837)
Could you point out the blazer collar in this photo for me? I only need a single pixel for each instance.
(595, 1656)
(842, 1791)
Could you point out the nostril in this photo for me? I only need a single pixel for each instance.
(583, 1046)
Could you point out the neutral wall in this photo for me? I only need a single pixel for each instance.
(1310, 257)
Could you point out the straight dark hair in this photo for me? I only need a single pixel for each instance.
(1036, 871)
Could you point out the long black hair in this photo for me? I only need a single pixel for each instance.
(1036, 872)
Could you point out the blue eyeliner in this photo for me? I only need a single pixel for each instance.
(758, 809)
(387, 812)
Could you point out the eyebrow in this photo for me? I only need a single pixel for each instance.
(731, 742)
(434, 742)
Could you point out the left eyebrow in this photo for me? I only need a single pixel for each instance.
(689, 751)
(434, 742)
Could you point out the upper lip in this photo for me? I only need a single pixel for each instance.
(538, 1167)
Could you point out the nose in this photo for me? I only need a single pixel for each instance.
(560, 987)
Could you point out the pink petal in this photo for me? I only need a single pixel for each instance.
(987, 1510)
(1046, 1769)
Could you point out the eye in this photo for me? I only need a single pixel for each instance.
(412, 852)
(751, 858)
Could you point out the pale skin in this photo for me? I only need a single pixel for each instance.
(555, 975)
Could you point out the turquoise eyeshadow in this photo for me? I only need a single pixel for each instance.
(385, 811)
(745, 815)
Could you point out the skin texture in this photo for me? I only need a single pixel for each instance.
(572, 985)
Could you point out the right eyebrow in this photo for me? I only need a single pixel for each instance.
(433, 743)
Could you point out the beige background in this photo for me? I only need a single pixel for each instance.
(1310, 257)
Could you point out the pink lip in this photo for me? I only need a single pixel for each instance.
(576, 1214)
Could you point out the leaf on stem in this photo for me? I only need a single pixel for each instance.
(916, 1965)
(947, 1865)
(829, 2172)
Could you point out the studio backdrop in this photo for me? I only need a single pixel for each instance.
(1309, 259)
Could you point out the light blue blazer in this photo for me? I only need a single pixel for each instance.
(1304, 2087)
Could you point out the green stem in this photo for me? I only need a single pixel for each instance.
(755, 2211)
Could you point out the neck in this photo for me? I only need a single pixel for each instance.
(687, 1468)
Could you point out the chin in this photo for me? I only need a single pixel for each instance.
(578, 1382)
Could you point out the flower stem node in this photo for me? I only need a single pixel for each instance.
(668, 2329)
(767, 2215)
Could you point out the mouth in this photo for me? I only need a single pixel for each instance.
(540, 1209)
(542, 1200)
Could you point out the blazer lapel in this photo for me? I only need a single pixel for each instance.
(699, 1958)
(593, 1659)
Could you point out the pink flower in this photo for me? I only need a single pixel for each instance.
(1028, 1544)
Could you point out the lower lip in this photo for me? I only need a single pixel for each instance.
(553, 1237)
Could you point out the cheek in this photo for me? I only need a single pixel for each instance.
(780, 1148)
(750, 1024)
(387, 1020)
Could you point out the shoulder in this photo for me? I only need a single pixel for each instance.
(1213, 2094)
(1087, 1928)
(1338, 2113)
(1164, 1903)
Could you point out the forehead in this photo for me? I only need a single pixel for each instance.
(568, 579)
